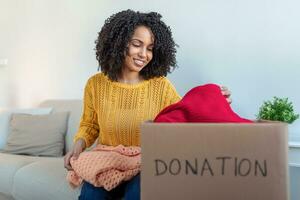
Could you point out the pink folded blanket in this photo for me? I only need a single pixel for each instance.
(105, 166)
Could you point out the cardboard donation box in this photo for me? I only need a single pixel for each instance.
(214, 161)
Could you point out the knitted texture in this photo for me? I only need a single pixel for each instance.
(113, 111)
(105, 166)
(201, 104)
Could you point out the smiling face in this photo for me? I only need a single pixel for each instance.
(139, 52)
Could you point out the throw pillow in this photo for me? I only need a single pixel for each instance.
(5, 116)
(37, 135)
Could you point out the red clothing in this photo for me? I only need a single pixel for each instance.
(201, 104)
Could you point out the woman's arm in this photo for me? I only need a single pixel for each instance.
(88, 127)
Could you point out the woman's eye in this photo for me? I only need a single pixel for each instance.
(135, 45)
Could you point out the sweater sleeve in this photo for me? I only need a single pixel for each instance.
(174, 96)
(171, 95)
(88, 127)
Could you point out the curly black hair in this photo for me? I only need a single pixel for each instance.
(115, 35)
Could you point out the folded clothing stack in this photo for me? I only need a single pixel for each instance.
(105, 166)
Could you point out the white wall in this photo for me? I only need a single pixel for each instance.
(250, 46)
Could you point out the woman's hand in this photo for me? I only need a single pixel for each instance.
(78, 148)
(226, 93)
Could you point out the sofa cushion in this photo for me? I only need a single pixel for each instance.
(9, 165)
(37, 135)
(75, 109)
(5, 197)
(5, 116)
(43, 180)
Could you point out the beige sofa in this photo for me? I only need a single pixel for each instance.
(40, 178)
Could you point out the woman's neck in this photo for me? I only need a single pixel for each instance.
(130, 78)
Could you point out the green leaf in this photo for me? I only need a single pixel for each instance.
(277, 109)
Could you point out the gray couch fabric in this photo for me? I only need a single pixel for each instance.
(40, 178)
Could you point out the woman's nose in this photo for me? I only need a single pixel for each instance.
(143, 52)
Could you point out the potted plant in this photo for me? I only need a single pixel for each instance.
(277, 109)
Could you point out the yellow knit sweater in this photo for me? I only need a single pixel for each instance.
(113, 111)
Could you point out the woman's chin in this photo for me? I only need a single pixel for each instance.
(137, 68)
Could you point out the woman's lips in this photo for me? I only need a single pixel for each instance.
(139, 62)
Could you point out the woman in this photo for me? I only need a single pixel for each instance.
(135, 52)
